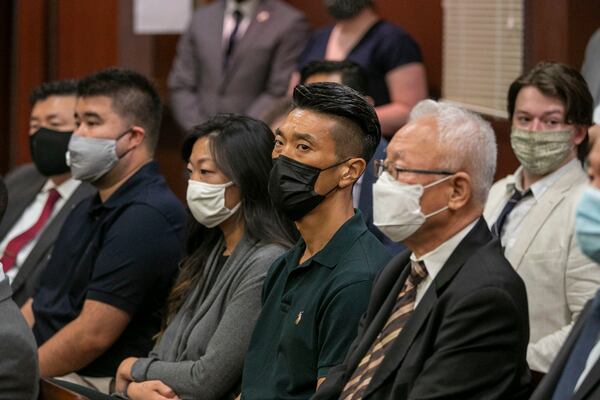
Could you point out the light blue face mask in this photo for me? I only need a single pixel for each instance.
(587, 223)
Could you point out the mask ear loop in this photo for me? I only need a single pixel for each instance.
(433, 184)
(119, 138)
(324, 169)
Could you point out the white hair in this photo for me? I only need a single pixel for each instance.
(467, 140)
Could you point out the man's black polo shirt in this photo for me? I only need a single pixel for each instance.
(310, 313)
(123, 252)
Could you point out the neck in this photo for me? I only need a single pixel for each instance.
(318, 227)
(528, 178)
(359, 22)
(60, 179)
(112, 181)
(426, 240)
(233, 231)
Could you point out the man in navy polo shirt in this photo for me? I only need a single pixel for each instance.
(117, 253)
(315, 294)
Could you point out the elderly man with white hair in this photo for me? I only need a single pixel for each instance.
(448, 317)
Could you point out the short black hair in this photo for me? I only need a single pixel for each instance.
(346, 103)
(564, 83)
(353, 75)
(67, 87)
(132, 95)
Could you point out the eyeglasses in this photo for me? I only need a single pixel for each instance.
(381, 165)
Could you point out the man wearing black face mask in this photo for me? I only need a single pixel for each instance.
(314, 295)
(42, 193)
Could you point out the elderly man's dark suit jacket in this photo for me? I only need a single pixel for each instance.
(467, 338)
(590, 387)
(24, 183)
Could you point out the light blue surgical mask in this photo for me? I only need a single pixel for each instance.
(587, 223)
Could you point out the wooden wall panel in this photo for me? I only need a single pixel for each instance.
(28, 70)
(86, 37)
(6, 17)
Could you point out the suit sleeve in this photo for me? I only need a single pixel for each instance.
(285, 57)
(582, 280)
(183, 82)
(18, 363)
(475, 361)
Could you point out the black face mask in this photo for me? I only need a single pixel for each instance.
(292, 187)
(344, 9)
(48, 149)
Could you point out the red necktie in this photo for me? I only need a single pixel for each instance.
(18, 242)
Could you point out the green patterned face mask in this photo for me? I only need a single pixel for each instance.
(541, 152)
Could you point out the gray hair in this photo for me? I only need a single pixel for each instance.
(468, 141)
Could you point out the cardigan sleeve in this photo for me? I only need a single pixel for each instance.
(219, 369)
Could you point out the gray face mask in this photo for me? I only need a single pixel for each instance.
(344, 9)
(541, 152)
(92, 158)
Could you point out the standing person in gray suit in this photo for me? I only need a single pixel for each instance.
(18, 352)
(41, 194)
(237, 56)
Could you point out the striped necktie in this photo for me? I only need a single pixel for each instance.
(405, 304)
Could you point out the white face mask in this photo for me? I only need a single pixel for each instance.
(397, 207)
(207, 202)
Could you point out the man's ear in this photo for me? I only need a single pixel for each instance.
(580, 132)
(461, 191)
(354, 168)
(137, 135)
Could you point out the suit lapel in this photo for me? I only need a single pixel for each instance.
(534, 220)
(212, 31)
(18, 205)
(383, 297)
(253, 34)
(591, 381)
(478, 236)
(48, 236)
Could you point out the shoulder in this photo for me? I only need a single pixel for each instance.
(260, 258)
(158, 197)
(26, 171)
(486, 269)
(367, 255)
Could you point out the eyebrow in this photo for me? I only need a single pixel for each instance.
(89, 114)
(304, 136)
(555, 111)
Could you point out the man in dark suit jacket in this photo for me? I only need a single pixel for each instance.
(51, 123)
(18, 361)
(214, 73)
(575, 372)
(447, 319)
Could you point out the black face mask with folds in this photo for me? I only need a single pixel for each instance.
(292, 187)
(48, 149)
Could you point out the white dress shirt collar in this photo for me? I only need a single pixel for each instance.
(435, 259)
(65, 189)
(247, 8)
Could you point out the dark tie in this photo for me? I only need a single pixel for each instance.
(18, 242)
(581, 351)
(512, 202)
(405, 304)
(238, 16)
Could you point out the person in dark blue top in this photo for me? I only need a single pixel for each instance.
(315, 294)
(387, 52)
(100, 297)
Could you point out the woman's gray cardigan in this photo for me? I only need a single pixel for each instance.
(201, 353)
